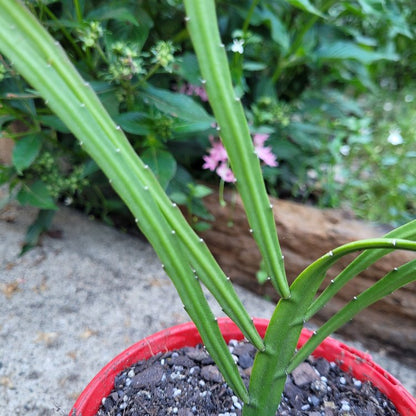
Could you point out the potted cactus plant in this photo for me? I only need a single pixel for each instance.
(184, 255)
(98, 396)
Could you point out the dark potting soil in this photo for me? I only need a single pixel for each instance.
(186, 382)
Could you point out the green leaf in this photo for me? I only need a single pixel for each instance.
(306, 6)
(342, 50)
(119, 30)
(179, 197)
(184, 127)
(368, 8)
(201, 226)
(25, 151)
(90, 167)
(188, 68)
(122, 14)
(162, 163)
(176, 105)
(55, 122)
(261, 276)
(36, 195)
(201, 191)
(5, 119)
(6, 174)
(41, 224)
(197, 208)
(133, 122)
(278, 31)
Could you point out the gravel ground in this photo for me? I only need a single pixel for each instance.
(70, 305)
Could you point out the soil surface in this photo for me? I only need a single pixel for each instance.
(186, 382)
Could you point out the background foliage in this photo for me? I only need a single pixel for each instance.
(330, 82)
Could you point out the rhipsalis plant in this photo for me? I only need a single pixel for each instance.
(185, 257)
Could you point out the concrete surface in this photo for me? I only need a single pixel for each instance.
(70, 305)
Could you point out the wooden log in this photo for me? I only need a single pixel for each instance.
(305, 234)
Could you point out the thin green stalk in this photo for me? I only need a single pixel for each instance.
(63, 29)
(221, 193)
(203, 28)
(249, 15)
(78, 11)
(149, 74)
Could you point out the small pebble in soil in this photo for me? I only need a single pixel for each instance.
(187, 383)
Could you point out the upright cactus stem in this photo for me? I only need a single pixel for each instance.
(233, 128)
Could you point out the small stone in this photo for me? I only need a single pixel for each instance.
(322, 366)
(108, 403)
(152, 376)
(185, 412)
(319, 385)
(294, 393)
(244, 348)
(304, 374)
(245, 360)
(211, 373)
(345, 406)
(314, 401)
(183, 361)
(329, 404)
(197, 354)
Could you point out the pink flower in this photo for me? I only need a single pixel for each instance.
(218, 151)
(190, 89)
(225, 173)
(217, 154)
(217, 158)
(259, 139)
(264, 153)
(210, 163)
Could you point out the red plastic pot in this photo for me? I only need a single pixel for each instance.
(359, 364)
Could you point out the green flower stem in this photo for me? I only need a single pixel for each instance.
(203, 28)
(249, 15)
(149, 74)
(64, 30)
(78, 11)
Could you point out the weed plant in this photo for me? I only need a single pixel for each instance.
(299, 69)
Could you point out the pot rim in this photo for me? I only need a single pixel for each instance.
(359, 364)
